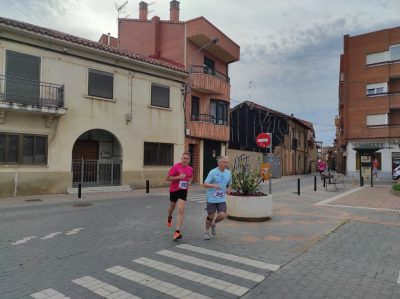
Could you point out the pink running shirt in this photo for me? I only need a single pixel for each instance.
(182, 184)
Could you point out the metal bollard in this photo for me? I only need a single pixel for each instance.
(324, 181)
(147, 186)
(315, 183)
(79, 190)
(298, 186)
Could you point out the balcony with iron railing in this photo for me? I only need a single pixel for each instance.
(209, 80)
(33, 96)
(207, 126)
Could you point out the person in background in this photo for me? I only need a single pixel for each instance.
(375, 166)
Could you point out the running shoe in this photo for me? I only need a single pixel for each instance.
(206, 236)
(169, 221)
(213, 229)
(177, 236)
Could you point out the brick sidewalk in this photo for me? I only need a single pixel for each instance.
(378, 197)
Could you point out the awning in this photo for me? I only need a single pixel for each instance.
(367, 148)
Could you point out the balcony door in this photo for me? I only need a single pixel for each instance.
(195, 108)
(209, 66)
(22, 82)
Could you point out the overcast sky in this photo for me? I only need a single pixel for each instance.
(289, 48)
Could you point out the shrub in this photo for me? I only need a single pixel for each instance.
(246, 181)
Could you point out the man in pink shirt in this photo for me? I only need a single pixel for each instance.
(180, 175)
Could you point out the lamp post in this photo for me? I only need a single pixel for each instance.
(213, 41)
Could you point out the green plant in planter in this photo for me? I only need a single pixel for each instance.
(246, 181)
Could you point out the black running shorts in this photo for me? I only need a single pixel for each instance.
(174, 196)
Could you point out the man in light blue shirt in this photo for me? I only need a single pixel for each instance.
(217, 182)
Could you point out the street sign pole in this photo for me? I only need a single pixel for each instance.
(264, 140)
(270, 163)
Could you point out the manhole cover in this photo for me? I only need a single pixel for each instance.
(33, 199)
(81, 205)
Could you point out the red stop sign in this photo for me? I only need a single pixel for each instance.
(263, 140)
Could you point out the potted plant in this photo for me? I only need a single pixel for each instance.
(248, 202)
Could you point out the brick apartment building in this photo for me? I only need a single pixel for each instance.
(205, 52)
(369, 100)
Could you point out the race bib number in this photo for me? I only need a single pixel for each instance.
(183, 184)
(219, 194)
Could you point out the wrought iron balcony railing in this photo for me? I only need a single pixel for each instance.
(28, 92)
(198, 69)
(209, 118)
(203, 117)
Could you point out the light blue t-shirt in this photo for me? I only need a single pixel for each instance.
(221, 178)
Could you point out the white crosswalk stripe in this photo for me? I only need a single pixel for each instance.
(23, 240)
(102, 289)
(230, 257)
(49, 294)
(73, 231)
(208, 282)
(159, 285)
(211, 265)
(51, 235)
(194, 276)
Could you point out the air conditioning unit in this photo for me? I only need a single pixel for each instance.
(128, 117)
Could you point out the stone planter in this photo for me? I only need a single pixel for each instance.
(249, 208)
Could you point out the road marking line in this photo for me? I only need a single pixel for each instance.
(194, 276)
(49, 293)
(325, 201)
(230, 257)
(398, 279)
(23, 240)
(159, 285)
(103, 289)
(211, 265)
(51, 235)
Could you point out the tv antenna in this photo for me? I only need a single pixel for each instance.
(250, 85)
(121, 8)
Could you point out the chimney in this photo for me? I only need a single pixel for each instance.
(143, 11)
(174, 11)
(108, 38)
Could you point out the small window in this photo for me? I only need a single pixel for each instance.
(158, 153)
(159, 95)
(101, 84)
(23, 149)
(379, 57)
(377, 88)
(394, 52)
(377, 119)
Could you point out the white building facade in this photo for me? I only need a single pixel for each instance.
(73, 112)
(388, 157)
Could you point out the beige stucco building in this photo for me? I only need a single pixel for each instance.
(75, 111)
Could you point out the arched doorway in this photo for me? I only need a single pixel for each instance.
(96, 159)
